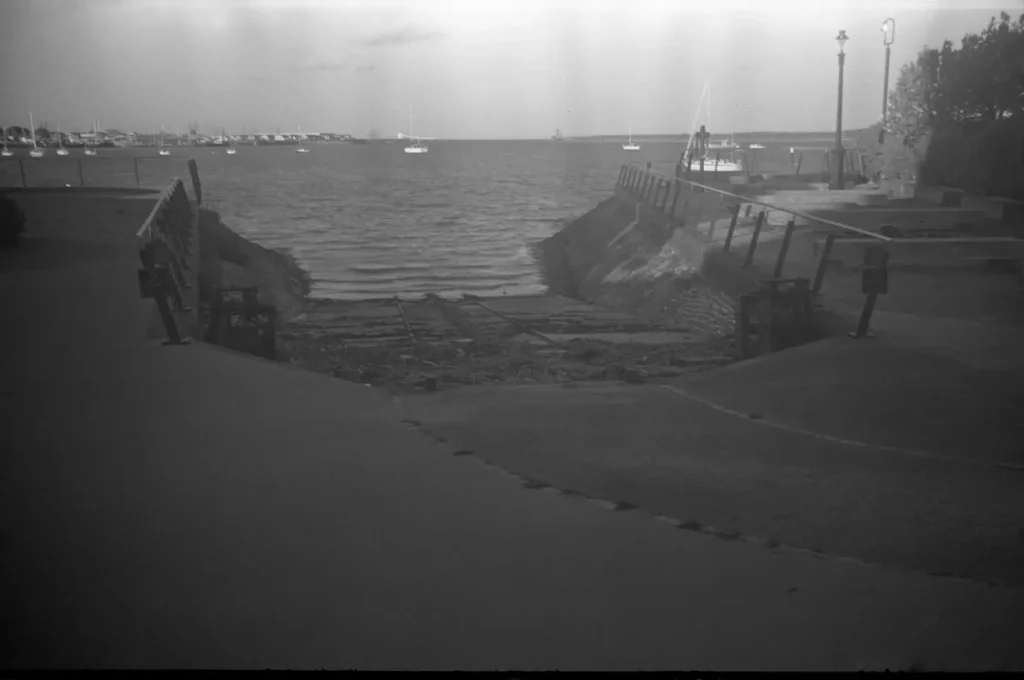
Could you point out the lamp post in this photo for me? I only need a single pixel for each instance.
(888, 36)
(838, 173)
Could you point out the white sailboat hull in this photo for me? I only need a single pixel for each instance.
(231, 152)
(62, 152)
(711, 165)
(36, 153)
(164, 152)
(90, 152)
(416, 149)
(631, 147)
(6, 153)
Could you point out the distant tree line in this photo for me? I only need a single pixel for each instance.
(957, 111)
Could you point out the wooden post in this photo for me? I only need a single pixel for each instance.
(790, 226)
(634, 183)
(21, 166)
(743, 324)
(81, 175)
(655, 191)
(135, 162)
(750, 207)
(799, 162)
(865, 318)
(664, 200)
(732, 227)
(650, 190)
(622, 171)
(819, 276)
(714, 220)
(753, 239)
(675, 198)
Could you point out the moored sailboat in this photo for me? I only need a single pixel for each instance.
(36, 152)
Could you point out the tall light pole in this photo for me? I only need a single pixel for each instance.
(888, 36)
(838, 173)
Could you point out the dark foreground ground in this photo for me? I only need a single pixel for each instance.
(189, 507)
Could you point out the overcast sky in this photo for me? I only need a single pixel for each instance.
(467, 69)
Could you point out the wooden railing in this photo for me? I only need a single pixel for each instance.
(656, 188)
(68, 171)
(170, 237)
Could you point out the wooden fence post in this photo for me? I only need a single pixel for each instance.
(753, 239)
(819, 276)
(732, 228)
(780, 263)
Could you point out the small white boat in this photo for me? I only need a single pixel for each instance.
(61, 151)
(417, 145)
(89, 151)
(36, 152)
(302, 147)
(630, 145)
(161, 150)
(756, 146)
(231, 151)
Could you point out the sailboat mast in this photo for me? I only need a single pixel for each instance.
(32, 126)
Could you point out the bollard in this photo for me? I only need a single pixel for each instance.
(819, 276)
(732, 227)
(753, 239)
(81, 176)
(135, 162)
(790, 226)
(21, 166)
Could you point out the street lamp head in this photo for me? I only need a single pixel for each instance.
(841, 40)
(888, 32)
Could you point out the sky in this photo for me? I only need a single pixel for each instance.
(466, 69)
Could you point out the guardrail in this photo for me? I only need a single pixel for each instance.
(172, 232)
(25, 166)
(655, 188)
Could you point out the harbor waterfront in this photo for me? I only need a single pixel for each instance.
(369, 221)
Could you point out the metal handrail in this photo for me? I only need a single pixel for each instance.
(770, 206)
(161, 203)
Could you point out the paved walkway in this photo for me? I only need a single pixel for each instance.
(189, 507)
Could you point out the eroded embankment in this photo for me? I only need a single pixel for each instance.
(625, 254)
(230, 260)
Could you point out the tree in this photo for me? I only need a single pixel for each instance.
(42, 134)
(982, 80)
